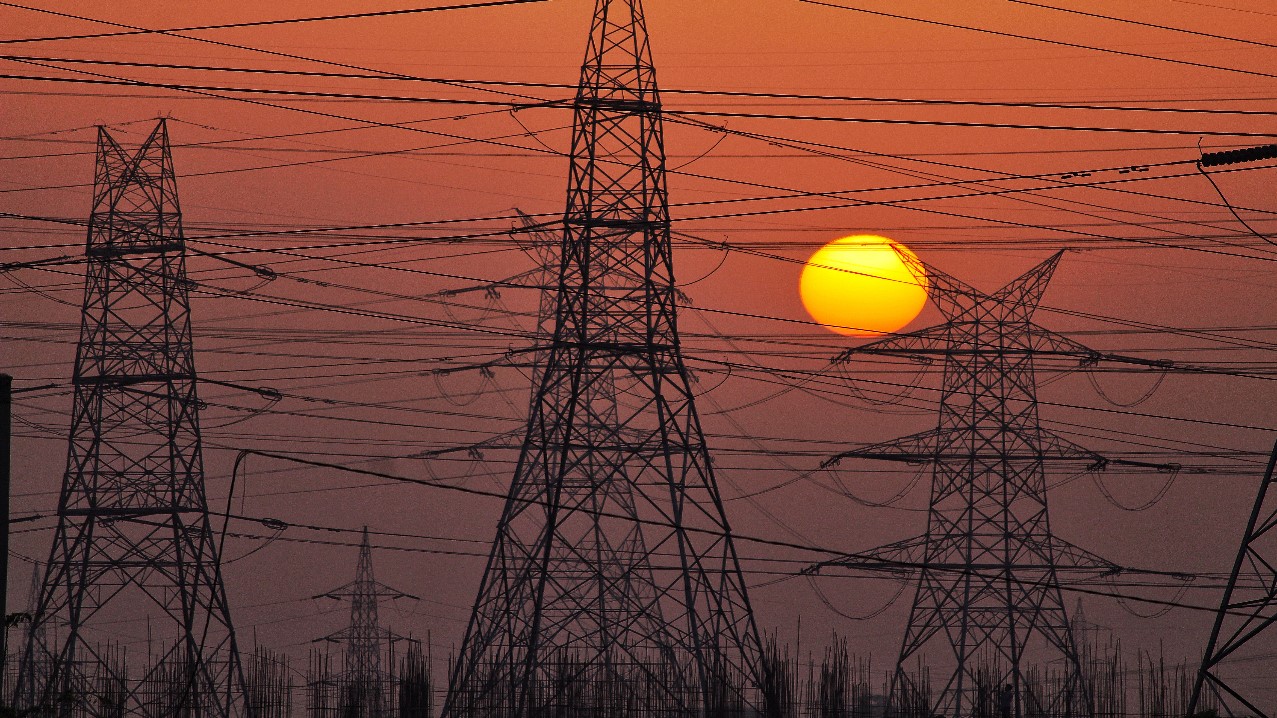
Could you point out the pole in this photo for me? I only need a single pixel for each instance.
(6, 407)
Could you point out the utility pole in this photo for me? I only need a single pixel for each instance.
(133, 528)
(613, 579)
(6, 449)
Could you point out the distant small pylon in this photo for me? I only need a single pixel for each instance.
(364, 684)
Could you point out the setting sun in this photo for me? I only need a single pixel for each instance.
(858, 286)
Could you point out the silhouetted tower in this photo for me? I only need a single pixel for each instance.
(1247, 609)
(38, 635)
(614, 467)
(364, 686)
(988, 579)
(133, 532)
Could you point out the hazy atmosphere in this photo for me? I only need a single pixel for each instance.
(373, 205)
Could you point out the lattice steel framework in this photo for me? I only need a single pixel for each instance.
(133, 528)
(614, 470)
(1248, 609)
(364, 683)
(988, 569)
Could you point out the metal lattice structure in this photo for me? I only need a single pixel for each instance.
(364, 685)
(988, 569)
(1247, 609)
(543, 247)
(133, 523)
(613, 582)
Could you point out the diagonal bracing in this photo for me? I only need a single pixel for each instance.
(613, 583)
(988, 568)
(133, 524)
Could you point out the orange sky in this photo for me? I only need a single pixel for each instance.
(774, 46)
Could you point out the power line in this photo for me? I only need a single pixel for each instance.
(1060, 43)
(562, 104)
(252, 23)
(701, 92)
(741, 537)
(307, 94)
(1127, 21)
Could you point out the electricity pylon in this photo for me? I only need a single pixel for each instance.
(1247, 609)
(364, 686)
(625, 567)
(614, 471)
(133, 526)
(988, 569)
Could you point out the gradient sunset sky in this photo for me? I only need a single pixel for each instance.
(1157, 267)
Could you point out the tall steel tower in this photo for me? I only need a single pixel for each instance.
(364, 685)
(988, 568)
(1247, 610)
(613, 564)
(133, 535)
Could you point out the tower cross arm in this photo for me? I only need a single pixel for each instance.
(934, 446)
(920, 346)
(348, 633)
(917, 448)
(378, 590)
(1050, 343)
(897, 557)
(1045, 342)
(384, 591)
(907, 557)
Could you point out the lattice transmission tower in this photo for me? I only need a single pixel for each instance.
(133, 534)
(613, 582)
(364, 685)
(988, 568)
(1247, 610)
